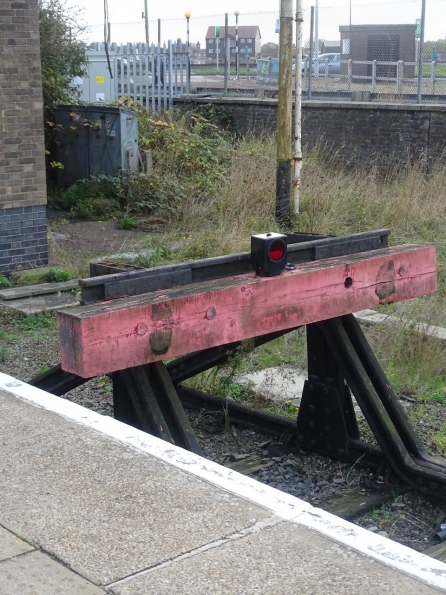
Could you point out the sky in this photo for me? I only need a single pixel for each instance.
(127, 23)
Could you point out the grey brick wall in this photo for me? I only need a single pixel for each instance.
(22, 151)
(387, 134)
(23, 238)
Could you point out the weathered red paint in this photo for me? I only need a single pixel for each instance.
(128, 332)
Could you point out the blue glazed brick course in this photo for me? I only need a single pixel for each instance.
(23, 238)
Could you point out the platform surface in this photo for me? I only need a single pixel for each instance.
(89, 505)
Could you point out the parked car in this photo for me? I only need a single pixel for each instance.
(320, 63)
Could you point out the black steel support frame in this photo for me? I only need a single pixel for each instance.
(108, 282)
(340, 361)
(145, 398)
(387, 419)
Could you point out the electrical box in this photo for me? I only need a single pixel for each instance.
(93, 139)
(98, 85)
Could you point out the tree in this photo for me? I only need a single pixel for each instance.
(270, 50)
(63, 55)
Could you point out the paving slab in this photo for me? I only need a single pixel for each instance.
(279, 383)
(23, 291)
(37, 574)
(42, 303)
(106, 509)
(18, 422)
(373, 318)
(11, 546)
(284, 559)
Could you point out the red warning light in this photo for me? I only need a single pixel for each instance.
(269, 253)
(277, 250)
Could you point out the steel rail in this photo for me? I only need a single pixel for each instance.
(301, 248)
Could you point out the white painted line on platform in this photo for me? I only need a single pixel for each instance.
(389, 553)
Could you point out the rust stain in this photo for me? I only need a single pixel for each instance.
(160, 312)
(403, 271)
(160, 341)
(211, 313)
(141, 329)
(385, 282)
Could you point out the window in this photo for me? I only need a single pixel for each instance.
(243, 41)
(211, 51)
(210, 41)
(346, 46)
(249, 40)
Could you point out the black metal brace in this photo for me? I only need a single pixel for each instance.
(326, 423)
(145, 398)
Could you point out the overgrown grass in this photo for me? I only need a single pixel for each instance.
(410, 202)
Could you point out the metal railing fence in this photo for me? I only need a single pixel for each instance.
(381, 37)
(152, 75)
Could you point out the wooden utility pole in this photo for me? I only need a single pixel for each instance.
(284, 111)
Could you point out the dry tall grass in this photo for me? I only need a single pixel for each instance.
(340, 200)
(334, 199)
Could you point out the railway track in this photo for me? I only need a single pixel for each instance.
(259, 444)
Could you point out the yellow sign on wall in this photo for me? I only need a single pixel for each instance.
(100, 80)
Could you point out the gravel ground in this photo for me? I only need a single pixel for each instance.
(411, 519)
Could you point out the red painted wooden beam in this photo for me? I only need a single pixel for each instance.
(128, 332)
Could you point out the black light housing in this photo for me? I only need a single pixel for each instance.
(269, 253)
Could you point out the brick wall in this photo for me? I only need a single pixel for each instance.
(22, 155)
(387, 134)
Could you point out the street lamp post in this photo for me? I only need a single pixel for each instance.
(236, 44)
(146, 21)
(187, 15)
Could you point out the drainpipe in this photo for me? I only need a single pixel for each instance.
(298, 107)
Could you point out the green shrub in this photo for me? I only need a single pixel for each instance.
(97, 197)
(191, 159)
(57, 276)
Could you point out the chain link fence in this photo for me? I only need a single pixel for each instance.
(371, 52)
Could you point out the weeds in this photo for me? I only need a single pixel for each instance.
(6, 354)
(438, 440)
(126, 223)
(7, 337)
(34, 322)
(57, 276)
(5, 282)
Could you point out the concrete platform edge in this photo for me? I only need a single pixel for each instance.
(393, 555)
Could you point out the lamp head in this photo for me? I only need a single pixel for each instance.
(187, 15)
(236, 13)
